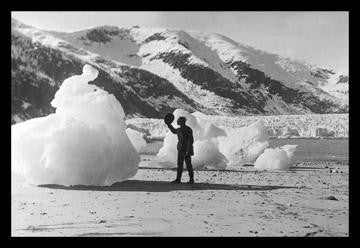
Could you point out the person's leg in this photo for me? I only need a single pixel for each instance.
(180, 165)
(189, 168)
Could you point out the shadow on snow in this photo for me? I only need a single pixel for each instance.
(164, 186)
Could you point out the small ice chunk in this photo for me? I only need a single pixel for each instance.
(279, 158)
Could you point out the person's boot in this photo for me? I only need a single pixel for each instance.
(191, 176)
(178, 176)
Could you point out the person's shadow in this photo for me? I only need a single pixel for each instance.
(164, 186)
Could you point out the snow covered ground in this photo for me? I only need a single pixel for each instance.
(279, 126)
(309, 200)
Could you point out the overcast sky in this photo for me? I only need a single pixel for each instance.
(317, 37)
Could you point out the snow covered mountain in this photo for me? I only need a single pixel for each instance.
(152, 71)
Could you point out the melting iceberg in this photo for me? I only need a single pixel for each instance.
(206, 152)
(215, 147)
(83, 142)
(276, 159)
(243, 145)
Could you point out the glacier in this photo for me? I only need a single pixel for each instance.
(278, 126)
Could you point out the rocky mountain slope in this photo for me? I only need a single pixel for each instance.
(152, 71)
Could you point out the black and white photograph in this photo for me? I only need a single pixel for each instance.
(179, 123)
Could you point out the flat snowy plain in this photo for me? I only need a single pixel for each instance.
(312, 199)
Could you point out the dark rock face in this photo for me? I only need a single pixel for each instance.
(322, 73)
(256, 78)
(211, 80)
(100, 35)
(343, 79)
(156, 36)
(36, 73)
(253, 77)
(143, 93)
(319, 74)
(104, 34)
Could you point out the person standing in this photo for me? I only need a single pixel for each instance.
(184, 147)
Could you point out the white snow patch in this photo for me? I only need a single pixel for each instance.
(121, 48)
(339, 90)
(16, 118)
(40, 36)
(25, 104)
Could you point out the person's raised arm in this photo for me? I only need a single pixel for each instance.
(172, 129)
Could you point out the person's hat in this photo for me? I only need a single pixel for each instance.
(169, 118)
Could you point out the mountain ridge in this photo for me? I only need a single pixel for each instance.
(202, 72)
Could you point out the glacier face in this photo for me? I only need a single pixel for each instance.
(279, 126)
(153, 71)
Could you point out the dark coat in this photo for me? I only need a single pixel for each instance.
(185, 139)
